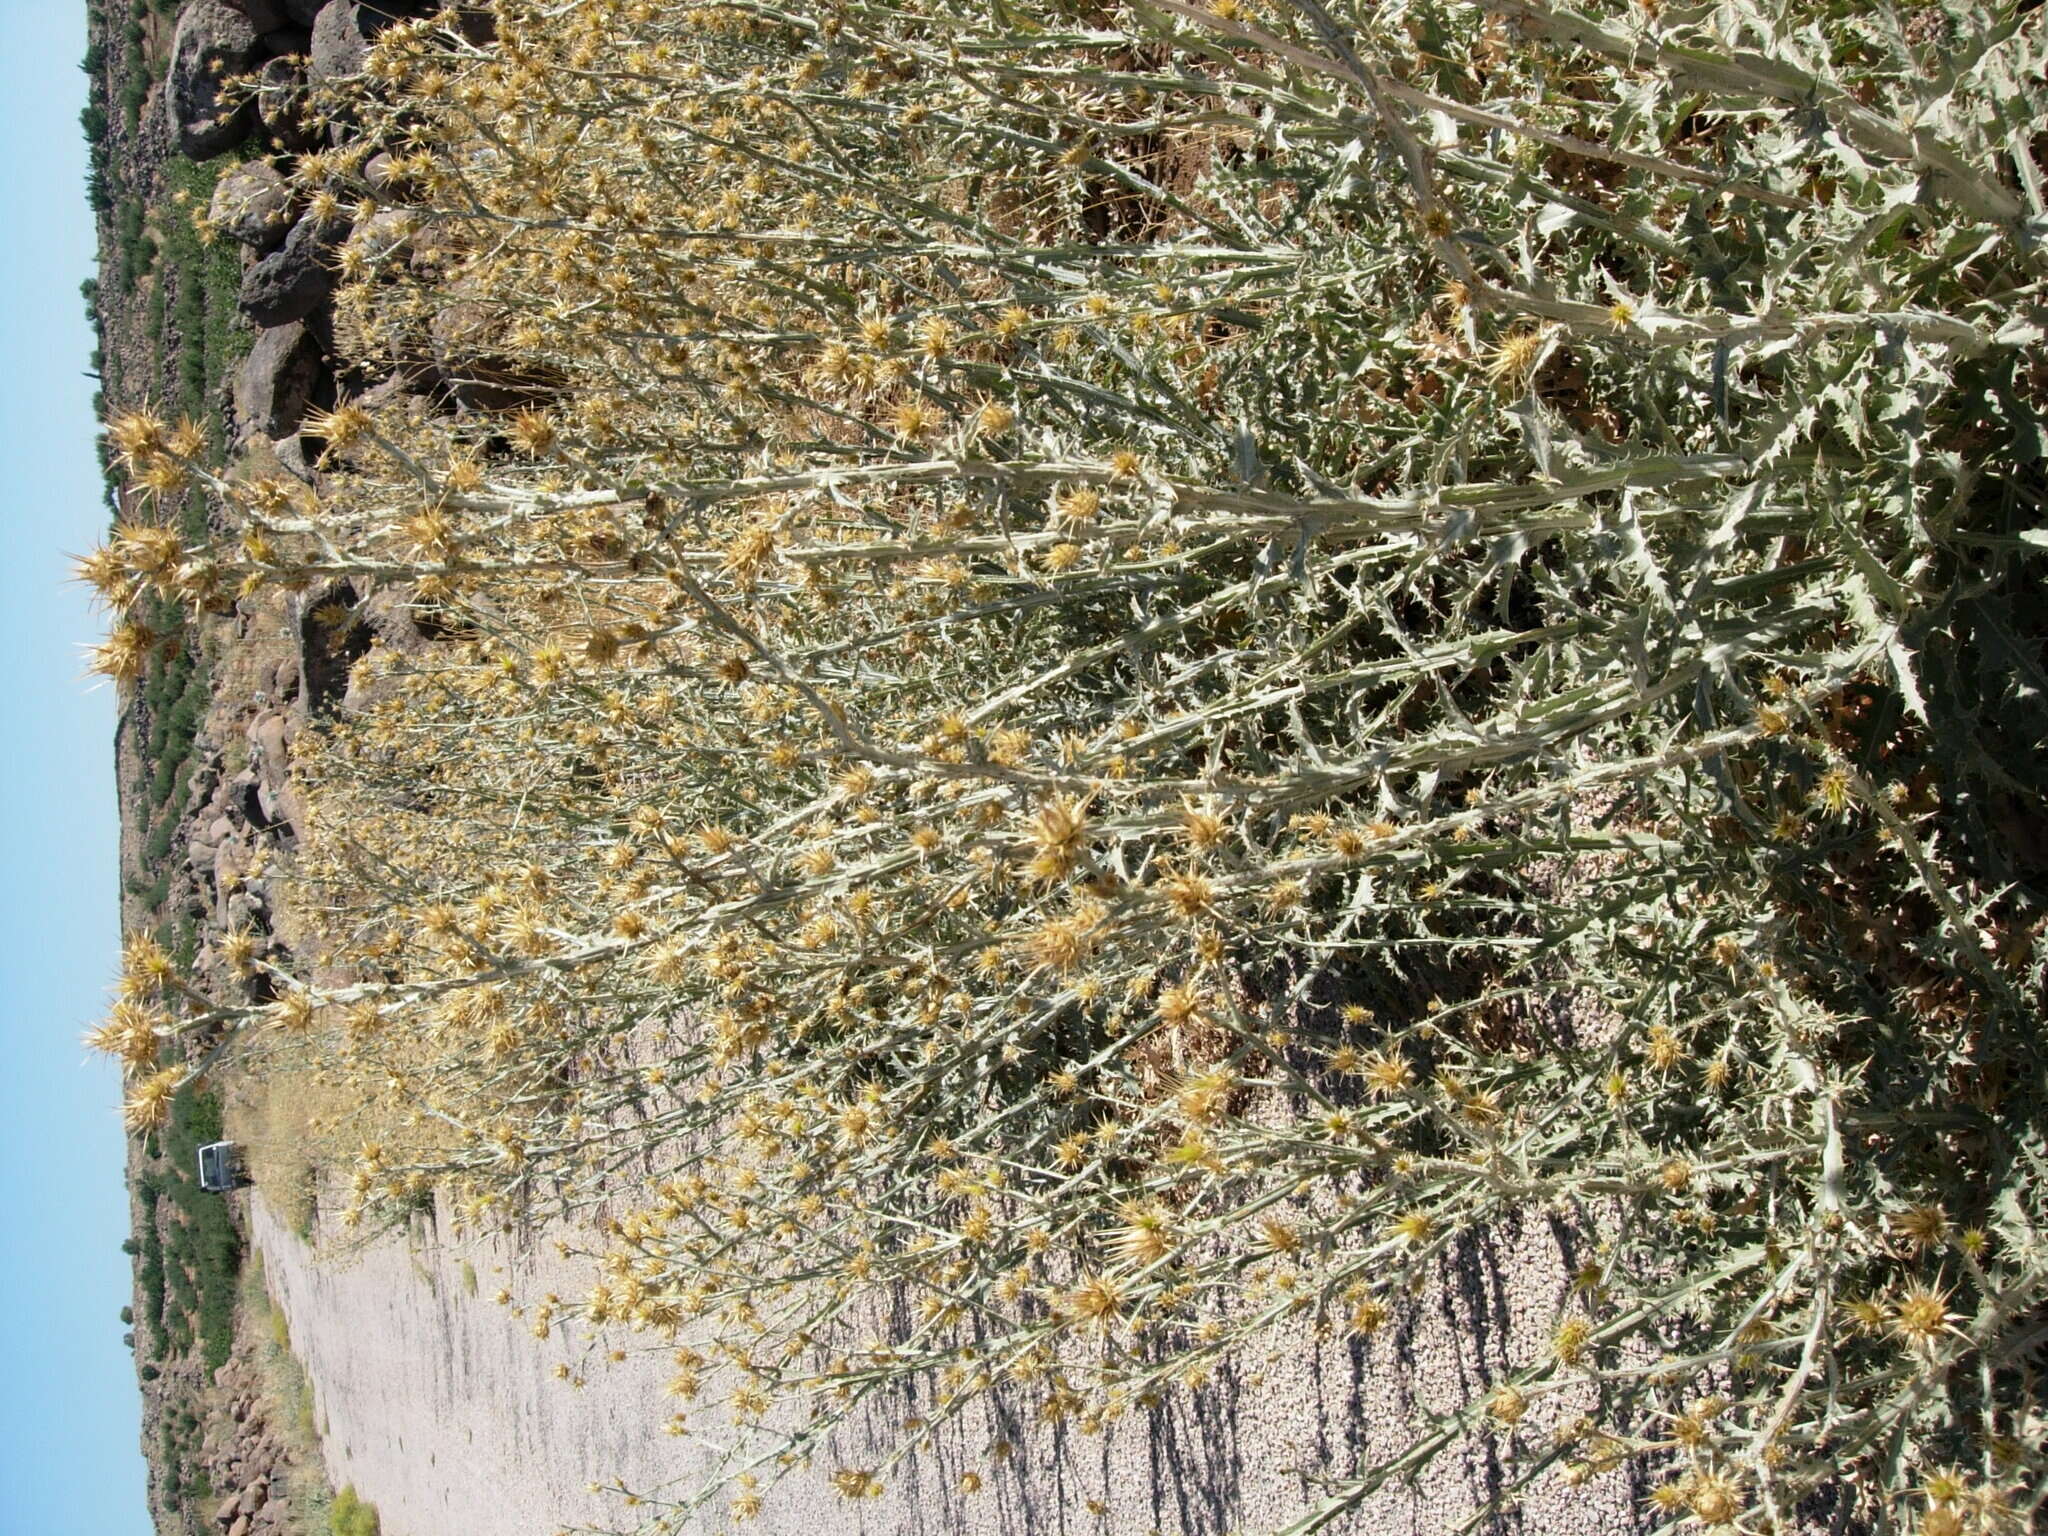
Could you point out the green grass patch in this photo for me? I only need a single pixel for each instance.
(212, 339)
(150, 1270)
(190, 1257)
(205, 1246)
(135, 247)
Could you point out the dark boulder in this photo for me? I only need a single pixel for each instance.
(283, 376)
(340, 42)
(476, 365)
(294, 42)
(213, 44)
(253, 205)
(333, 636)
(264, 15)
(294, 280)
(300, 459)
(282, 104)
(344, 30)
(304, 12)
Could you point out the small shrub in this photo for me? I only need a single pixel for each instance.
(134, 246)
(134, 92)
(350, 1516)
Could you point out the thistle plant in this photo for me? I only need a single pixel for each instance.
(1110, 674)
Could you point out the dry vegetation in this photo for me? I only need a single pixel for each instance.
(1131, 665)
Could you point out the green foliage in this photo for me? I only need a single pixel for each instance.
(174, 696)
(172, 733)
(186, 1484)
(212, 338)
(149, 1272)
(135, 248)
(134, 92)
(191, 1257)
(208, 1246)
(350, 1516)
(93, 120)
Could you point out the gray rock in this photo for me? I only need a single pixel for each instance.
(298, 462)
(245, 911)
(280, 103)
(339, 42)
(253, 204)
(212, 44)
(230, 863)
(343, 31)
(294, 280)
(229, 1507)
(276, 800)
(278, 805)
(200, 845)
(385, 234)
(278, 380)
(379, 174)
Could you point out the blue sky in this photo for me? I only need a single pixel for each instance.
(70, 1463)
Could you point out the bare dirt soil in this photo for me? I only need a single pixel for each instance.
(440, 1406)
(443, 1408)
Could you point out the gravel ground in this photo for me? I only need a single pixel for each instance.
(442, 1408)
(439, 1406)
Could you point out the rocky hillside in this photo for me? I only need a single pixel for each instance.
(212, 306)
